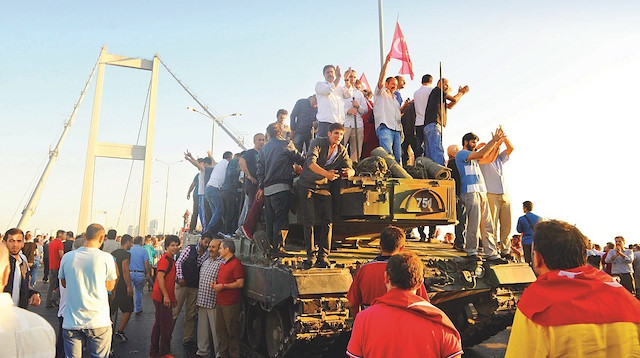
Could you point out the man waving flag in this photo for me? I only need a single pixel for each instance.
(400, 51)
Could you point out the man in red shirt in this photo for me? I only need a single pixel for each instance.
(229, 299)
(368, 283)
(56, 250)
(425, 330)
(164, 299)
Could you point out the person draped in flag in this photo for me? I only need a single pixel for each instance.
(401, 324)
(572, 309)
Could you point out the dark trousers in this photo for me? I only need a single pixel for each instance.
(53, 284)
(194, 216)
(162, 330)
(45, 262)
(626, 280)
(276, 208)
(59, 341)
(316, 221)
(418, 150)
(527, 253)
(461, 226)
(323, 129)
(302, 139)
(231, 211)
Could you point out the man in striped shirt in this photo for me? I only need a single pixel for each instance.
(473, 193)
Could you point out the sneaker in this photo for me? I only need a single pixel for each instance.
(323, 262)
(119, 335)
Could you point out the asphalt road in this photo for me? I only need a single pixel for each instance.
(139, 333)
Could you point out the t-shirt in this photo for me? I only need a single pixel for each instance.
(110, 245)
(493, 174)
(420, 97)
(86, 270)
(68, 245)
(203, 179)
(470, 174)
(166, 265)
(251, 158)
(368, 283)
(230, 271)
(54, 253)
(151, 252)
(525, 228)
(386, 110)
(432, 113)
(218, 174)
(121, 255)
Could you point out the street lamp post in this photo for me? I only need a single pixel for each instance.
(213, 125)
(166, 194)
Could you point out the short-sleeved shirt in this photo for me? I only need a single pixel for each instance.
(203, 178)
(386, 110)
(166, 265)
(230, 271)
(54, 254)
(368, 283)
(121, 255)
(68, 245)
(208, 274)
(151, 252)
(383, 331)
(525, 228)
(138, 256)
(470, 174)
(251, 158)
(110, 246)
(493, 174)
(85, 271)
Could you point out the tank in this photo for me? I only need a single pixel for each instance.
(289, 311)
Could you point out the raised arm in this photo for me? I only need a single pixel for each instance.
(193, 161)
(509, 145)
(484, 152)
(383, 71)
(453, 100)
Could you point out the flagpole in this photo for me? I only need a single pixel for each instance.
(381, 27)
(442, 106)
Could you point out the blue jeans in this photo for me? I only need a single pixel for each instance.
(214, 199)
(433, 143)
(98, 341)
(201, 204)
(390, 141)
(138, 279)
(34, 273)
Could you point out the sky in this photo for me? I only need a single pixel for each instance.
(560, 77)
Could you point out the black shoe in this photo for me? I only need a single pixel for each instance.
(323, 262)
(119, 335)
(280, 253)
(497, 261)
(308, 263)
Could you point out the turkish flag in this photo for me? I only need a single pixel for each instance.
(365, 83)
(400, 51)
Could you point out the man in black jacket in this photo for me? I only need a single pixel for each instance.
(275, 181)
(326, 160)
(22, 294)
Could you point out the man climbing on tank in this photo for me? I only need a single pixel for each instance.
(326, 160)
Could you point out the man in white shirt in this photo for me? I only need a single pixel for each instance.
(88, 273)
(386, 111)
(354, 107)
(22, 333)
(213, 193)
(420, 97)
(330, 98)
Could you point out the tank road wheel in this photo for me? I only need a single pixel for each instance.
(277, 328)
(255, 327)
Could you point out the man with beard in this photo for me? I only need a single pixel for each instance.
(330, 98)
(20, 275)
(473, 193)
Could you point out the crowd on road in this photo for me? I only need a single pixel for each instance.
(97, 275)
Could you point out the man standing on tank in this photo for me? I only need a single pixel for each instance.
(326, 160)
(275, 181)
(301, 121)
(330, 98)
(248, 165)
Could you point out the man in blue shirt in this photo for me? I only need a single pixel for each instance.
(473, 193)
(139, 269)
(525, 226)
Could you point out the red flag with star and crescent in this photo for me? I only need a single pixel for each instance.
(400, 51)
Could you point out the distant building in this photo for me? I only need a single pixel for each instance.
(153, 227)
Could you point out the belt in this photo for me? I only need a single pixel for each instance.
(135, 271)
